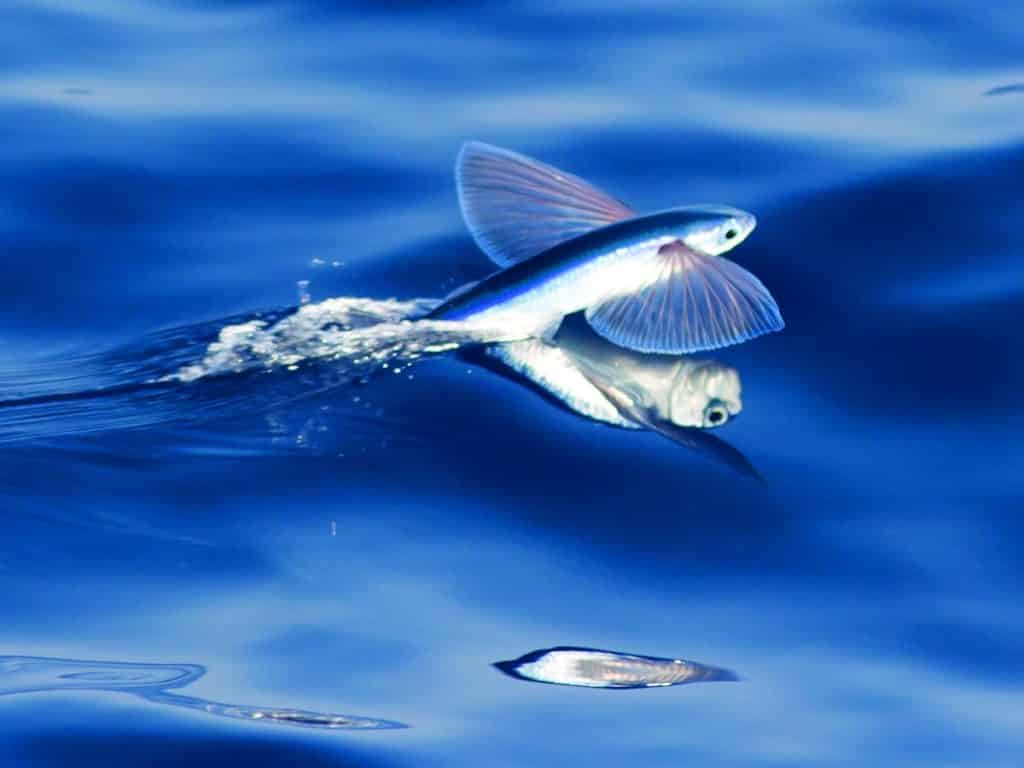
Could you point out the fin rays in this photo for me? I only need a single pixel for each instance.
(686, 301)
(690, 302)
(516, 207)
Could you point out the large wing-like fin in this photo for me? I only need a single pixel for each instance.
(516, 207)
(686, 302)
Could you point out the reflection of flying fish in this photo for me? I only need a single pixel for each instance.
(677, 397)
(593, 668)
(153, 682)
(653, 283)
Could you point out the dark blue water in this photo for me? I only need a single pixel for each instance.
(338, 540)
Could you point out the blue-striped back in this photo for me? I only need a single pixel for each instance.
(523, 277)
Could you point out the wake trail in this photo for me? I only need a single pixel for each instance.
(220, 368)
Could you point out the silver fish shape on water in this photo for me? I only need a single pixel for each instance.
(594, 668)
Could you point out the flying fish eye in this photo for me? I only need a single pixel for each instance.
(731, 233)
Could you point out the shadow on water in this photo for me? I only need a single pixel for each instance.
(154, 682)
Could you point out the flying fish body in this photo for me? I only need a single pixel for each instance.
(652, 283)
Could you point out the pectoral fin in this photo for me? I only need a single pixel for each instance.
(686, 302)
(516, 207)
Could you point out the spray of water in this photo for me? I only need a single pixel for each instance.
(351, 332)
(190, 373)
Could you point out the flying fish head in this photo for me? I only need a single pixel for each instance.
(714, 229)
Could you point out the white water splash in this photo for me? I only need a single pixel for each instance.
(360, 332)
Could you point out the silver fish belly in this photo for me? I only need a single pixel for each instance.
(533, 296)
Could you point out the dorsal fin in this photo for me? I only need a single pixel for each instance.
(516, 207)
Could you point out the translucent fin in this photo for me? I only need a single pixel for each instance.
(516, 207)
(687, 302)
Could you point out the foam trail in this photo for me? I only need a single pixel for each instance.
(358, 332)
(206, 370)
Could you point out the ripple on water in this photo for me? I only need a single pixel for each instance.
(153, 682)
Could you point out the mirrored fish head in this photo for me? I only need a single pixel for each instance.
(710, 229)
(703, 394)
(684, 399)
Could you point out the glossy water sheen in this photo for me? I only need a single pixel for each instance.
(336, 546)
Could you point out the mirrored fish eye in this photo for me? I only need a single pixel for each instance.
(715, 416)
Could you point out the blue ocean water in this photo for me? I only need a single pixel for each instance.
(342, 538)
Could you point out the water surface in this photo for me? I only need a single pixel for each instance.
(356, 540)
